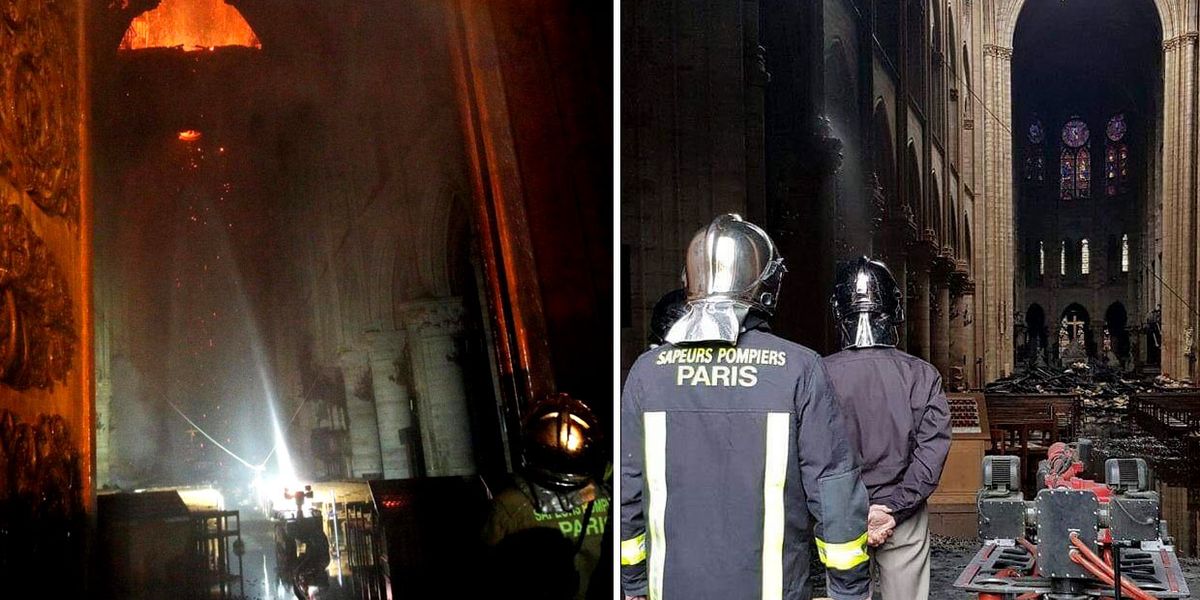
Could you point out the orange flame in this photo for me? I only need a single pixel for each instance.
(189, 135)
(190, 24)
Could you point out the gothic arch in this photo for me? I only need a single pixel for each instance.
(935, 208)
(425, 258)
(937, 67)
(914, 198)
(967, 244)
(1035, 327)
(1077, 312)
(1169, 13)
(1116, 319)
(883, 154)
(952, 223)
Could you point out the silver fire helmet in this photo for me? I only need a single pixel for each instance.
(867, 304)
(732, 268)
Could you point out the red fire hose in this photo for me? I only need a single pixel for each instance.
(1105, 577)
(1032, 550)
(1084, 557)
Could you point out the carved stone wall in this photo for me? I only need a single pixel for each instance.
(39, 119)
(45, 323)
(37, 321)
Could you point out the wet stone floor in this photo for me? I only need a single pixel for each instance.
(261, 582)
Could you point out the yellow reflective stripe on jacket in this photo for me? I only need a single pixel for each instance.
(845, 555)
(633, 551)
(774, 477)
(655, 434)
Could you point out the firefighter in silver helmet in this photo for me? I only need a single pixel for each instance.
(733, 452)
(546, 530)
(897, 418)
(732, 268)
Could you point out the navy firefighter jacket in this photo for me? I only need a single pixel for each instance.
(732, 459)
(898, 420)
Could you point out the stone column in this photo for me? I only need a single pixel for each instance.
(1179, 251)
(365, 457)
(896, 232)
(437, 381)
(918, 309)
(104, 420)
(939, 322)
(900, 271)
(997, 267)
(399, 444)
(962, 339)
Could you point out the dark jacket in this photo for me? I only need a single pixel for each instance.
(732, 460)
(898, 420)
(566, 559)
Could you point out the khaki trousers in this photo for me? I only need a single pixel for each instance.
(900, 567)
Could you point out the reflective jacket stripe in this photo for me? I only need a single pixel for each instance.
(775, 475)
(633, 551)
(655, 433)
(845, 555)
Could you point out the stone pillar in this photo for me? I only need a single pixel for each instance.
(900, 271)
(1179, 251)
(918, 309)
(104, 453)
(962, 339)
(997, 268)
(398, 440)
(939, 323)
(896, 232)
(437, 382)
(365, 457)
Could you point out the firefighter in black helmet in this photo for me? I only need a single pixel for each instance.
(547, 528)
(897, 418)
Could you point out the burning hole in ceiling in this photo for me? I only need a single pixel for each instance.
(191, 25)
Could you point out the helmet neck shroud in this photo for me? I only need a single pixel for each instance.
(867, 304)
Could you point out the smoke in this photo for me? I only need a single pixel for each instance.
(135, 428)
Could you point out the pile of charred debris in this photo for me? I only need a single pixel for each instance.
(1098, 386)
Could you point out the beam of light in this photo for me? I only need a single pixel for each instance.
(213, 440)
(275, 447)
(266, 579)
(337, 544)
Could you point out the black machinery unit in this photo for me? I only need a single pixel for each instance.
(427, 535)
(1076, 538)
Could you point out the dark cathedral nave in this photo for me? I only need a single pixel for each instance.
(305, 300)
(1025, 168)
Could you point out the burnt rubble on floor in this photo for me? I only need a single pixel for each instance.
(1098, 386)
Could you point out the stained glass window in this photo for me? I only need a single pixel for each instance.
(1116, 157)
(1083, 173)
(1116, 128)
(1067, 174)
(1062, 264)
(1075, 162)
(1075, 133)
(1084, 258)
(1042, 259)
(1125, 253)
(1110, 170)
(1035, 161)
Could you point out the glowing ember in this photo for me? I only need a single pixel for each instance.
(189, 135)
(190, 24)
